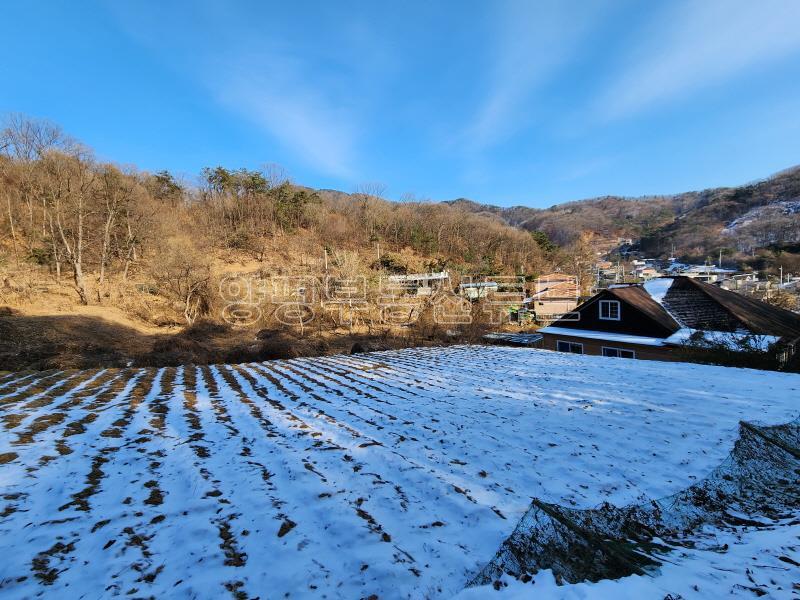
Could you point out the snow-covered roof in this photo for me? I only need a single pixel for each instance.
(397, 474)
(683, 336)
(733, 340)
(603, 336)
(709, 269)
(748, 314)
(677, 266)
(658, 288)
(698, 269)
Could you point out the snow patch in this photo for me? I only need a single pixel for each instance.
(731, 340)
(606, 336)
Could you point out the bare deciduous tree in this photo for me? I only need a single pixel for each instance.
(70, 180)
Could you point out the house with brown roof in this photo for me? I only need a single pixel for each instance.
(553, 295)
(654, 319)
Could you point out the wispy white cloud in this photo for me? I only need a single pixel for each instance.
(529, 43)
(693, 44)
(281, 96)
(264, 78)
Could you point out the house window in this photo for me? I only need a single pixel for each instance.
(572, 347)
(618, 352)
(609, 310)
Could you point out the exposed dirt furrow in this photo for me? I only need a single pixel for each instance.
(327, 450)
(196, 438)
(78, 438)
(13, 382)
(231, 496)
(30, 386)
(72, 386)
(100, 396)
(152, 468)
(81, 499)
(328, 383)
(216, 401)
(41, 386)
(407, 365)
(344, 377)
(298, 425)
(53, 441)
(363, 367)
(149, 452)
(384, 427)
(412, 410)
(281, 383)
(86, 386)
(48, 565)
(115, 483)
(311, 386)
(447, 470)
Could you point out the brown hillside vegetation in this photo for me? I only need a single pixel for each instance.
(102, 264)
(92, 253)
(738, 220)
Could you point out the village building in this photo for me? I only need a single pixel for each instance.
(740, 280)
(706, 273)
(654, 319)
(603, 265)
(552, 296)
(646, 273)
(421, 284)
(478, 289)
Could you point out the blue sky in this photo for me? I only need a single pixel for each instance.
(521, 102)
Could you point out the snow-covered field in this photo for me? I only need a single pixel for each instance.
(388, 475)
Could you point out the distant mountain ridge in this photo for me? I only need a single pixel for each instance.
(758, 214)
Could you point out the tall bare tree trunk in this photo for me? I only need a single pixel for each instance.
(75, 253)
(56, 249)
(44, 217)
(127, 266)
(78, 266)
(130, 242)
(80, 284)
(13, 230)
(106, 244)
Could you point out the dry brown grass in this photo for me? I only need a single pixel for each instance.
(88, 340)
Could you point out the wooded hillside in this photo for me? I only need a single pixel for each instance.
(698, 224)
(83, 236)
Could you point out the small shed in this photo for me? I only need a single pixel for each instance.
(477, 290)
(421, 284)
